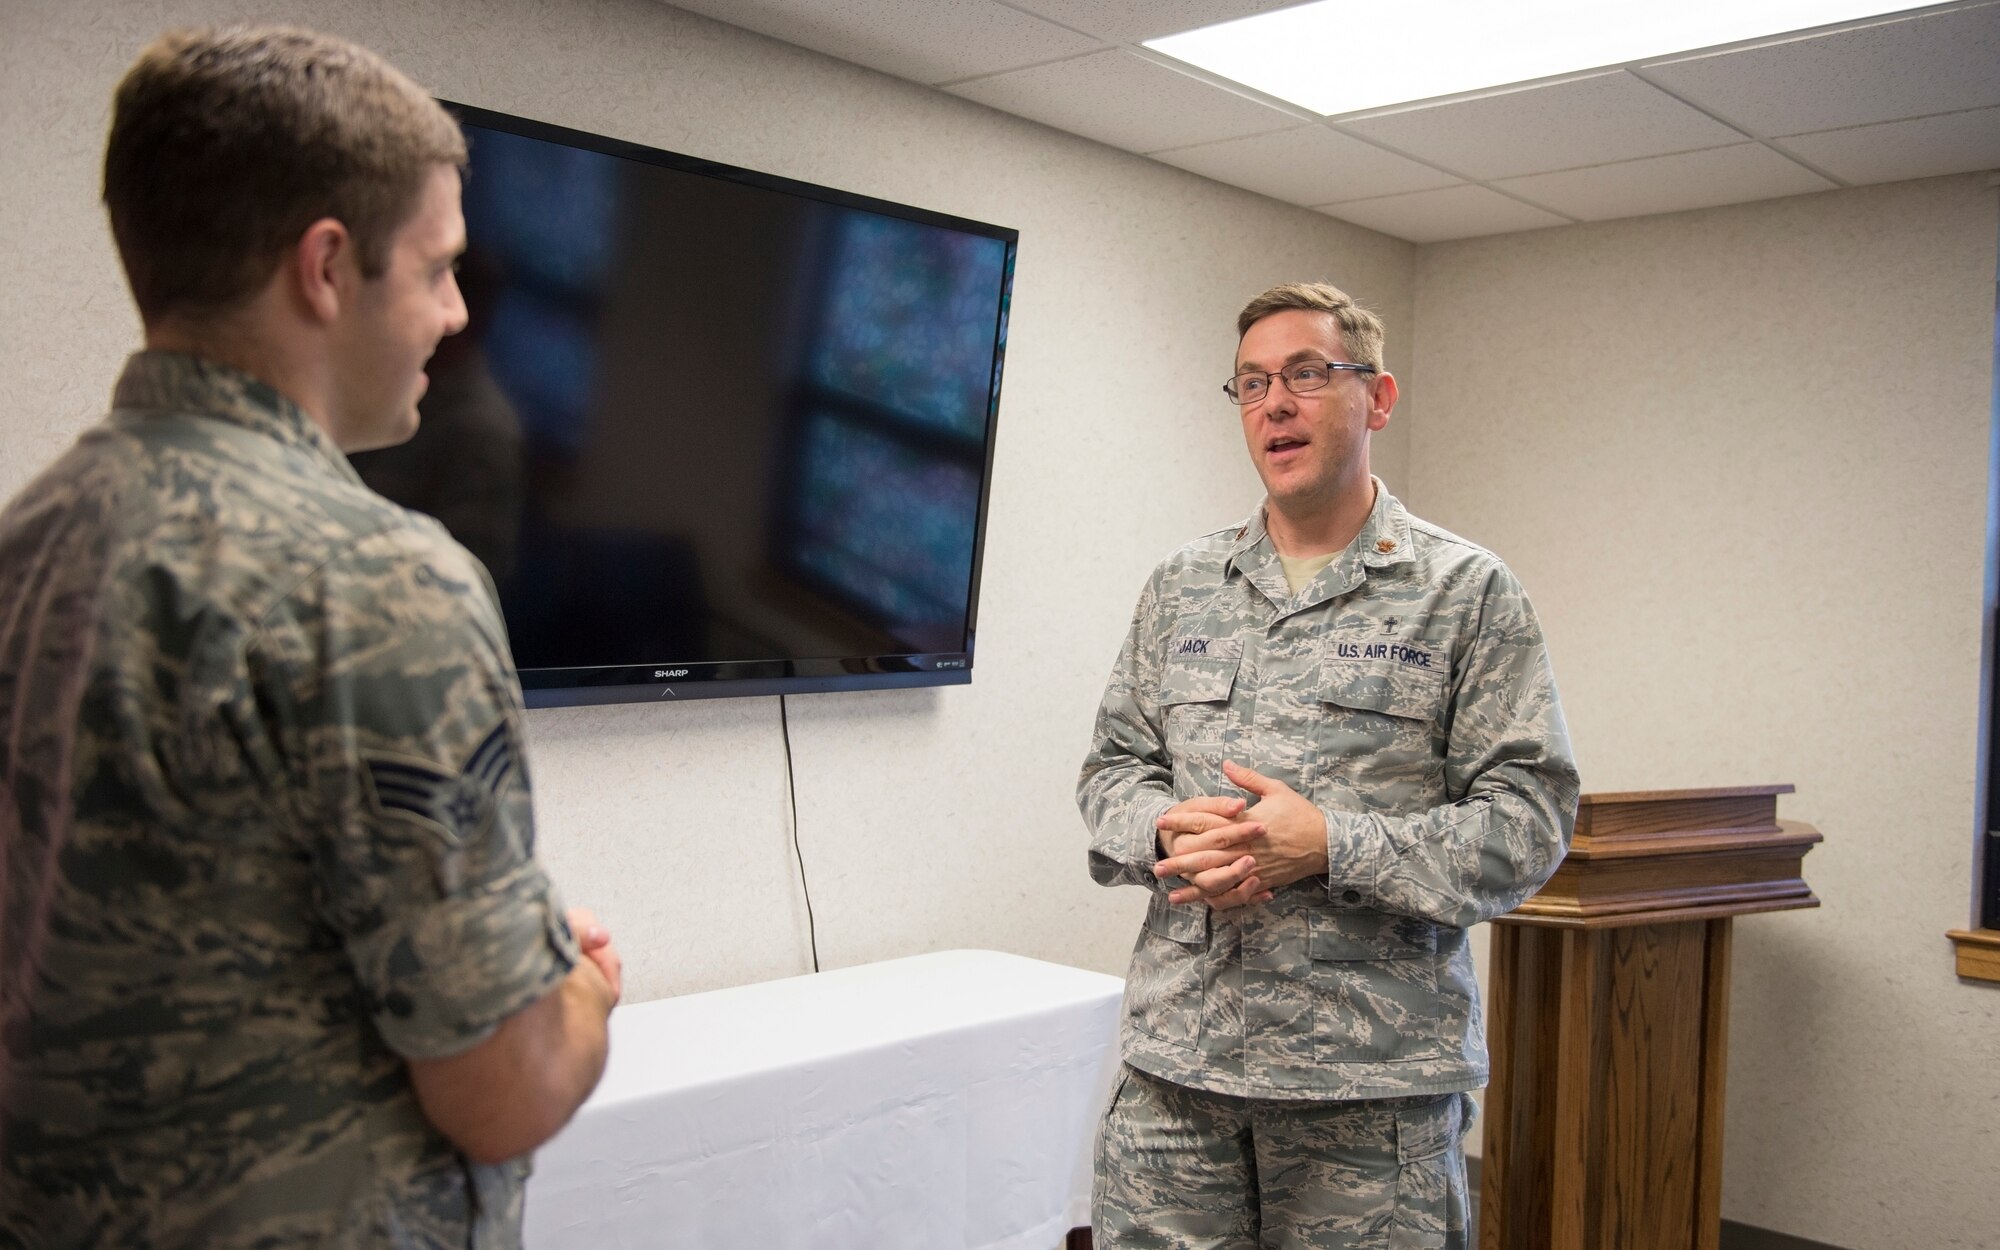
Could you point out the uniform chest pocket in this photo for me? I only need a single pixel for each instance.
(1194, 693)
(1392, 688)
(1194, 706)
(1381, 719)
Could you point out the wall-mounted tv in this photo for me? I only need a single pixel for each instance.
(713, 432)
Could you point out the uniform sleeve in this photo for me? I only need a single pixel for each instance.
(407, 725)
(1510, 779)
(1127, 779)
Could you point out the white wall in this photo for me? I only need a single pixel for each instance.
(1739, 458)
(928, 820)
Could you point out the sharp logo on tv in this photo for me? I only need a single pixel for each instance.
(825, 535)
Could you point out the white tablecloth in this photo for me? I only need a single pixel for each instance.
(936, 1102)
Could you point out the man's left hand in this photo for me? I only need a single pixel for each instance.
(1293, 844)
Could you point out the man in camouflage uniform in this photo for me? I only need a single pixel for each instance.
(1301, 1020)
(277, 964)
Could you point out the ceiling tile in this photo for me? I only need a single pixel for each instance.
(922, 40)
(1668, 184)
(1311, 165)
(1135, 20)
(1933, 63)
(1954, 143)
(1452, 213)
(1584, 121)
(1126, 101)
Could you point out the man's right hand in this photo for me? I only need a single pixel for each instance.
(594, 940)
(1201, 843)
(1201, 814)
(508, 1094)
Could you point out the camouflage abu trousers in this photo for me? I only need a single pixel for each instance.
(1184, 1169)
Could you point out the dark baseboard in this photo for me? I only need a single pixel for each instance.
(1734, 1236)
(1749, 1237)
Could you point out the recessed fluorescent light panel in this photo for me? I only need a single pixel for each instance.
(1341, 56)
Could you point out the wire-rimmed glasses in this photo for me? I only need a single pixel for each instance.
(1300, 377)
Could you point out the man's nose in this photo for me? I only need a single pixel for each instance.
(456, 316)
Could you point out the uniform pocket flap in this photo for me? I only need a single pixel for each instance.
(1356, 935)
(1202, 679)
(1387, 685)
(1428, 1127)
(1183, 922)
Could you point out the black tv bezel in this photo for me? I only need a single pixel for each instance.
(675, 680)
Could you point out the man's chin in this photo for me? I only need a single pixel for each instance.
(406, 427)
(1284, 487)
(387, 434)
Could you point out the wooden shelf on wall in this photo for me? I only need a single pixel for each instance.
(1978, 953)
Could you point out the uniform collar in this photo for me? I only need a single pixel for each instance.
(1384, 540)
(162, 382)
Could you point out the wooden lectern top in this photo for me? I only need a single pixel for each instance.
(1656, 856)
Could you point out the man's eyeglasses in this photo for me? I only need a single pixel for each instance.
(1300, 376)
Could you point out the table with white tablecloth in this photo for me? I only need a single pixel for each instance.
(939, 1102)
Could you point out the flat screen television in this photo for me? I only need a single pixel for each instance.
(713, 432)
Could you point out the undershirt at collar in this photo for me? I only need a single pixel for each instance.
(1300, 570)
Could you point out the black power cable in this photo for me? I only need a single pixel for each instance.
(792, 793)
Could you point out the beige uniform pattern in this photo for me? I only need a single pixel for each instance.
(1296, 1068)
(1407, 692)
(1375, 1174)
(267, 833)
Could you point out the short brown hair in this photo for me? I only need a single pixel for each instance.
(226, 144)
(1360, 330)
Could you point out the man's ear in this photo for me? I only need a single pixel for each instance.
(324, 266)
(1381, 400)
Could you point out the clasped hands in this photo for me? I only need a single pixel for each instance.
(1232, 855)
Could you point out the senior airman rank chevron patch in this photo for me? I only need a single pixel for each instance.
(457, 804)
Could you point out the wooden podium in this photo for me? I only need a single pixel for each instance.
(1609, 1021)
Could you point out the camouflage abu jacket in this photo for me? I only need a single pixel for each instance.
(267, 833)
(1405, 691)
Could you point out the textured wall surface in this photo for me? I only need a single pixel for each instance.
(928, 820)
(1739, 459)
